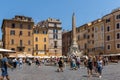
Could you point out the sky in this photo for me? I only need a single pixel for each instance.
(85, 10)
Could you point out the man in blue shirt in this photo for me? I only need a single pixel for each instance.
(4, 65)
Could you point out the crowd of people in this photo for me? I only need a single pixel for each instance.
(94, 64)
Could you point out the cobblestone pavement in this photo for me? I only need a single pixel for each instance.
(110, 72)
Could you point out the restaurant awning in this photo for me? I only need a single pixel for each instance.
(112, 54)
(6, 50)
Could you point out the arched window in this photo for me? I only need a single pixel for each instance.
(118, 35)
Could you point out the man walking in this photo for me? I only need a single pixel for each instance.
(4, 65)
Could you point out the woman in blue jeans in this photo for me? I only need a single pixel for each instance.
(100, 66)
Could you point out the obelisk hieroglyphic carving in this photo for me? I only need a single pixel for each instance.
(73, 50)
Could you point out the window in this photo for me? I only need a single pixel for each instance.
(29, 42)
(84, 36)
(88, 36)
(36, 46)
(92, 35)
(107, 20)
(92, 28)
(118, 45)
(55, 25)
(117, 25)
(44, 46)
(21, 26)
(20, 49)
(44, 39)
(21, 43)
(44, 32)
(108, 47)
(12, 41)
(20, 33)
(29, 49)
(108, 28)
(29, 27)
(108, 38)
(55, 44)
(28, 33)
(118, 16)
(55, 31)
(55, 36)
(78, 37)
(36, 39)
(36, 31)
(118, 35)
(13, 25)
(12, 32)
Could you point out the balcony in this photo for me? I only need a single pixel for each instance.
(20, 47)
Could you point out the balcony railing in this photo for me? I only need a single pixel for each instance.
(21, 46)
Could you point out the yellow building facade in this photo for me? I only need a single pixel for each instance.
(40, 37)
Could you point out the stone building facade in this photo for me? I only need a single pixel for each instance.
(66, 42)
(17, 34)
(103, 35)
(112, 32)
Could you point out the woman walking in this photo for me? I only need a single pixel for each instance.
(100, 66)
(89, 66)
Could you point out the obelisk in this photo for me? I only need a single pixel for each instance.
(74, 43)
(73, 50)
